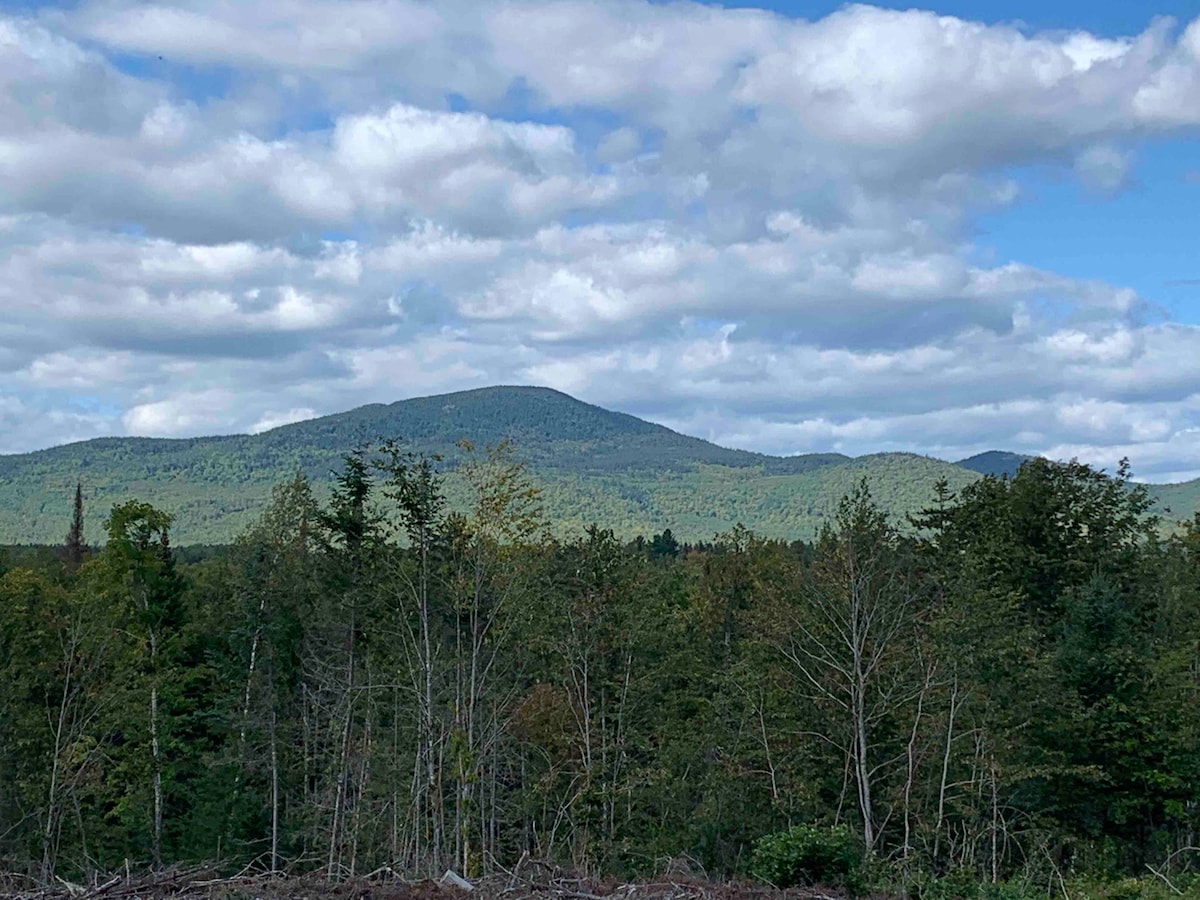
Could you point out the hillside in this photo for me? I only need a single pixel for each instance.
(593, 464)
(994, 462)
(1177, 502)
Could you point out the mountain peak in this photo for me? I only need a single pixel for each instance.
(995, 462)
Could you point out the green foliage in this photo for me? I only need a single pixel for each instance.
(1145, 888)
(965, 884)
(409, 670)
(808, 855)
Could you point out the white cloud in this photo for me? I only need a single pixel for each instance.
(272, 419)
(757, 228)
(322, 35)
(183, 414)
(619, 145)
(488, 175)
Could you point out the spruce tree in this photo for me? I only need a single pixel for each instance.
(75, 546)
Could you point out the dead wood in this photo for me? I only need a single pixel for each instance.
(384, 883)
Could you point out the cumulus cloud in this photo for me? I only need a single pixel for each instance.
(761, 229)
(272, 419)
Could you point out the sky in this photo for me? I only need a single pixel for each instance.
(796, 227)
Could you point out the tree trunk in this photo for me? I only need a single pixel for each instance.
(158, 791)
(49, 851)
(274, 796)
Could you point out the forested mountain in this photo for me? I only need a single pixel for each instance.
(994, 462)
(592, 464)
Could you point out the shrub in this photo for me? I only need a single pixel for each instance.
(809, 854)
(964, 884)
(1181, 888)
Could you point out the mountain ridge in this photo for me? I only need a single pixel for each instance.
(593, 464)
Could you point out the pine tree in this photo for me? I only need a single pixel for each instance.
(75, 546)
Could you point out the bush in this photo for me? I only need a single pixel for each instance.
(1181, 888)
(809, 854)
(964, 884)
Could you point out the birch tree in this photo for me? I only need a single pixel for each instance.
(503, 519)
(414, 485)
(845, 636)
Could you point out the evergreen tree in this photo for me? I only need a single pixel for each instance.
(75, 546)
(138, 575)
(663, 546)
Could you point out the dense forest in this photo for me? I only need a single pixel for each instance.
(999, 697)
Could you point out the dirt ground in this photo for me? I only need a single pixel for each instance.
(200, 885)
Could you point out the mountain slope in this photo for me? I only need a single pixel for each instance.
(594, 466)
(552, 428)
(1176, 502)
(994, 462)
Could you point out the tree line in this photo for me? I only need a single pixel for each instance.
(1006, 685)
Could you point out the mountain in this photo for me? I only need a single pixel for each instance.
(594, 465)
(552, 429)
(994, 462)
(1176, 502)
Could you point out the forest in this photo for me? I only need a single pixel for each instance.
(997, 697)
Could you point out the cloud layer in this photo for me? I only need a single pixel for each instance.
(225, 217)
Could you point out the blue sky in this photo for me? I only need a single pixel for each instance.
(791, 227)
(1111, 18)
(1145, 236)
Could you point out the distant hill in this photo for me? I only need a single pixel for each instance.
(1177, 502)
(594, 465)
(994, 462)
